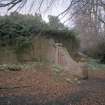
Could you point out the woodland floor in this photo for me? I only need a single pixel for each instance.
(41, 87)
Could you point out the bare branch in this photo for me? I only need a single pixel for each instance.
(100, 19)
(13, 3)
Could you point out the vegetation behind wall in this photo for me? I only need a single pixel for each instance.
(21, 33)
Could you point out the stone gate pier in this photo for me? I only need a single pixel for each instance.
(59, 55)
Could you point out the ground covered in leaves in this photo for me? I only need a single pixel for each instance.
(44, 87)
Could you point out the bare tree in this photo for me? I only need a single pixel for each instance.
(90, 23)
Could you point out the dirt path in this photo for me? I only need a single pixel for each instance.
(41, 88)
(91, 92)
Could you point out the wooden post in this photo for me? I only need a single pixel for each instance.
(84, 68)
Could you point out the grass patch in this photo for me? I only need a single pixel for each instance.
(57, 68)
(29, 66)
(94, 64)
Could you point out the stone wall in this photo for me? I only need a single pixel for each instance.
(38, 52)
(42, 50)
